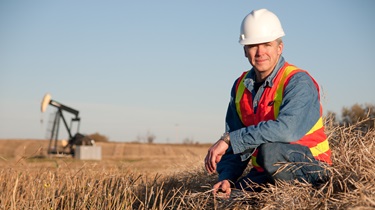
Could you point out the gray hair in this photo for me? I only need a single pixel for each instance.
(279, 40)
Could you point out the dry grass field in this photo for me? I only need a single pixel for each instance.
(153, 176)
(143, 158)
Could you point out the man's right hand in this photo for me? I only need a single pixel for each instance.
(214, 155)
(223, 187)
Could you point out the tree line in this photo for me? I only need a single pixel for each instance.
(363, 114)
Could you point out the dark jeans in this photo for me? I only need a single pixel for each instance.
(285, 162)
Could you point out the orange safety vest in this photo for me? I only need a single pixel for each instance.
(268, 109)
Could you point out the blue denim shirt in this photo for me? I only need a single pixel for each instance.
(299, 111)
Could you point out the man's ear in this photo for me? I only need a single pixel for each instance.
(280, 48)
(245, 51)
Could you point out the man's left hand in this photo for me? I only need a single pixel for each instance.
(214, 155)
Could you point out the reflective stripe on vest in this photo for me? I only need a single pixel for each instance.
(268, 109)
(239, 93)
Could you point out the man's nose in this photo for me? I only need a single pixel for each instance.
(260, 50)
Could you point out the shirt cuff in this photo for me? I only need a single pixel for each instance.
(236, 141)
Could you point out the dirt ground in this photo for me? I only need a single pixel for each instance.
(135, 157)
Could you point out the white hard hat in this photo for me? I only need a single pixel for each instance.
(260, 26)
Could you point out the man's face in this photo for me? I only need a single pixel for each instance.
(263, 57)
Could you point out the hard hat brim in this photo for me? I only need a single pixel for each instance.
(251, 41)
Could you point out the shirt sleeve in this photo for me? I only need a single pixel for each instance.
(299, 111)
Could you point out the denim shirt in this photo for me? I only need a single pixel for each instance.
(299, 111)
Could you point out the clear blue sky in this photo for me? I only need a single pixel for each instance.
(166, 67)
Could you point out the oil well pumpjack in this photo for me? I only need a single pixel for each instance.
(77, 139)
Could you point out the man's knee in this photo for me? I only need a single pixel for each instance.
(269, 154)
(297, 159)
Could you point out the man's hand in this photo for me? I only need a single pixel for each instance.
(214, 155)
(222, 187)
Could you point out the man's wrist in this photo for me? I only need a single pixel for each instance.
(226, 138)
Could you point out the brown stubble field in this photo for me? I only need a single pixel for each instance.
(129, 176)
(152, 176)
(142, 158)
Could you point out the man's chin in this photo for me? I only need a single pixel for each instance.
(261, 68)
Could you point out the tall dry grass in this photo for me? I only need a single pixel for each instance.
(94, 186)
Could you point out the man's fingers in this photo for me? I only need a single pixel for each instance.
(216, 188)
(226, 188)
(209, 162)
(213, 164)
(221, 188)
(214, 155)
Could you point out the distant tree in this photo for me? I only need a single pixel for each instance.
(97, 137)
(150, 138)
(357, 113)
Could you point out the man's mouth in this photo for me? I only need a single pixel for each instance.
(260, 60)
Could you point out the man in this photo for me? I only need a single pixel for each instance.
(274, 117)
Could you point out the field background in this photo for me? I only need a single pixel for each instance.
(171, 176)
(138, 157)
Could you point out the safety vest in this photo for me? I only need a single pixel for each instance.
(268, 109)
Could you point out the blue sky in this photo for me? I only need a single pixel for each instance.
(166, 67)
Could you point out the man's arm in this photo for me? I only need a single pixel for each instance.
(231, 167)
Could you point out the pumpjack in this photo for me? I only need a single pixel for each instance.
(77, 139)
